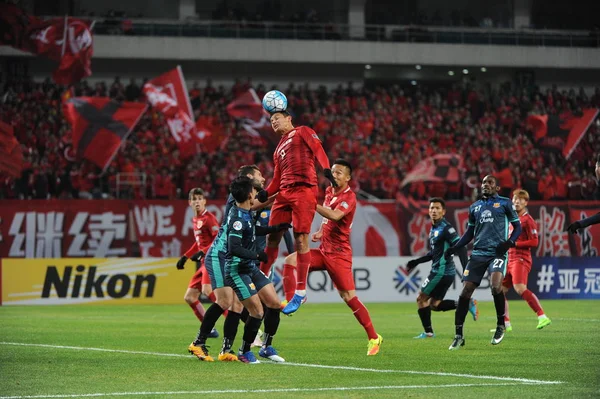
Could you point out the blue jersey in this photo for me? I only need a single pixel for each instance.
(441, 237)
(491, 218)
(241, 223)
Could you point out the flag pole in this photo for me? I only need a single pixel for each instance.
(64, 44)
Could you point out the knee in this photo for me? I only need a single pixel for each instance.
(237, 307)
(434, 306)
(224, 303)
(207, 290)
(467, 291)
(189, 298)
(520, 289)
(347, 295)
(497, 289)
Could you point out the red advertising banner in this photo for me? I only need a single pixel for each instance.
(110, 228)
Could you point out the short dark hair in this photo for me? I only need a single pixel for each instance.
(439, 201)
(196, 191)
(240, 188)
(493, 177)
(343, 162)
(247, 170)
(284, 113)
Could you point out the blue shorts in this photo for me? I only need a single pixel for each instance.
(248, 284)
(478, 265)
(214, 262)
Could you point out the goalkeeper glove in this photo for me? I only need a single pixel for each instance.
(262, 196)
(197, 256)
(181, 262)
(329, 176)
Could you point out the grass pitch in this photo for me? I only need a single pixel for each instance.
(140, 352)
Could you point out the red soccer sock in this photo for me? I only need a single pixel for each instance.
(533, 302)
(212, 297)
(272, 253)
(198, 310)
(506, 316)
(289, 281)
(302, 267)
(362, 315)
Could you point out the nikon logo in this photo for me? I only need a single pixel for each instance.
(87, 285)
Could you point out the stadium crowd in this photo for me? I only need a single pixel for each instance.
(384, 131)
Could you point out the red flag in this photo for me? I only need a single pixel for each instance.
(100, 125)
(67, 41)
(538, 124)
(561, 132)
(254, 120)
(246, 106)
(168, 92)
(578, 126)
(11, 156)
(438, 168)
(210, 136)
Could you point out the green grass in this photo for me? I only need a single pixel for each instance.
(567, 351)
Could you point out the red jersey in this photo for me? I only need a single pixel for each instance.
(294, 159)
(206, 228)
(527, 240)
(336, 235)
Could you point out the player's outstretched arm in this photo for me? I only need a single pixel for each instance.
(331, 214)
(582, 224)
(464, 240)
(464, 258)
(415, 262)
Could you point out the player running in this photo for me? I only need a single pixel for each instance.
(224, 297)
(205, 227)
(335, 253)
(295, 182)
(488, 224)
(243, 275)
(519, 261)
(443, 272)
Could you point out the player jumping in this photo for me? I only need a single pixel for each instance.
(335, 252)
(488, 224)
(243, 275)
(205, 227)
(295, 182)
(443, 271)
(519, 261)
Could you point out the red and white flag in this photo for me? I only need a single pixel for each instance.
(254, 119)
(168, 94)
(67, 41)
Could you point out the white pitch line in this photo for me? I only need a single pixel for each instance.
(349, 368)
(280, 390)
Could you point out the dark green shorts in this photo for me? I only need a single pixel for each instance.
(436, 285)
(246, 284)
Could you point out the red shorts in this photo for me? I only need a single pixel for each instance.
(199, 278)
(517, 272)
(296, 205)
(339, 268)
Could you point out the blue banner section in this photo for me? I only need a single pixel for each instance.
(564, 278)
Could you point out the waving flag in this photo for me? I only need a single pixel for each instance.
(438, 168)
(247, 108)
(168, 94)
(67, 41)
(562, 132)
(100, 125)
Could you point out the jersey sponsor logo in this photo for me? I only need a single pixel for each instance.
(344, 205)
(496, 205)
(237, 225)
(486, 217)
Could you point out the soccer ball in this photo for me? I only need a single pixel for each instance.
(274, 101)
